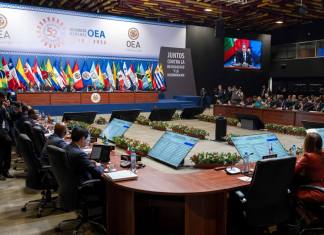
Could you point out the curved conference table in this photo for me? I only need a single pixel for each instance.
(202, 194)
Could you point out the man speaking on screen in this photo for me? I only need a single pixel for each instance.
(244, 57)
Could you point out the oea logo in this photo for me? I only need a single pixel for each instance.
(133, 34)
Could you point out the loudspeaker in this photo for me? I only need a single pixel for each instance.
(283, 66)
(219, 28)
(221, 128)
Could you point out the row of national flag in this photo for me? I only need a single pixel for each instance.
(55, 76)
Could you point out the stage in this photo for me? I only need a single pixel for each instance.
(56, 103)
(58, 110)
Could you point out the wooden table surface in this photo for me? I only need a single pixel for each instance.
(151, 180)
(203, 193)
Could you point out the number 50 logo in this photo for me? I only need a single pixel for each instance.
(51, 32)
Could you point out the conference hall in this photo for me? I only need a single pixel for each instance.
(166, 117)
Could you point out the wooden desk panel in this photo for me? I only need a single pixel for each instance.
(231, 111)
(121, 97)
(204, 194)
(86, 98)
(281, 117)
(249, 111)
(225, 110)
(34, 98)
(65, 98)
(59, 98)
(308, 116)
(143, 97)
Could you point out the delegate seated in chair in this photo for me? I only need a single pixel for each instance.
(79, 162)
(310, 193)
(311, 167)
(56, 139)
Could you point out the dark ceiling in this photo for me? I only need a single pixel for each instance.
(237, 14)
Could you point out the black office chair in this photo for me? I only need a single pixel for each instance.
(72, 195)
(267, 201)
(28, 129)
(317, 209)
(38, 177)
(18, 163)
(39, 140)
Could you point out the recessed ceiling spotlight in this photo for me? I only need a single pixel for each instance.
(208, 10)
(279, 22)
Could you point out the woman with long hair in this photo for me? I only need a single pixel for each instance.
(311, 167)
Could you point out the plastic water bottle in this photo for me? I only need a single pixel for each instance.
(133, 161)
(294, 150)
(246, 167)
(87, 141)
(270, 149)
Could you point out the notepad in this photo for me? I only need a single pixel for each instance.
(121, 175)
(245, 178)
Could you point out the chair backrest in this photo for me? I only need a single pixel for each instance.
(28, 129)
(267, 197)
(39, 139)
(68, 183)
(34, 175)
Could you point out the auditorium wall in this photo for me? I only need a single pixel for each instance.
(311, 68)
(208, 59)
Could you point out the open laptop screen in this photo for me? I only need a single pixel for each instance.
(96, 153)
(258, 146)
(115, 128)
(172, 148)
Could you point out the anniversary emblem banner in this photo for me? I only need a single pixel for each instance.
(41, 30)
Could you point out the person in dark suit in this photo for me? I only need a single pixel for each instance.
(5, 139)
(56, 139)
(80, 164)
(22, 116)
(244, 57)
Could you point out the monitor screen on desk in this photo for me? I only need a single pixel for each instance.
(87, 117)
(320, 131)
(172, 148)
(115, 128)
(257, 146)
(96, 153)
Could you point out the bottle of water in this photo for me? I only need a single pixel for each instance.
(88, 141)
(246, 167)
(270, 149)
(293, 150)
(133, 160)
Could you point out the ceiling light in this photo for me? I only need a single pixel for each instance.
(279, 22)
(208, 10)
